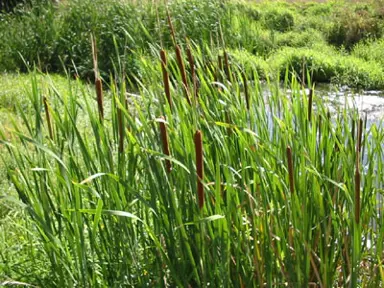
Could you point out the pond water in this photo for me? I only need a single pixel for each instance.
(370, 103)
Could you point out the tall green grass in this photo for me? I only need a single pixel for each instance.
(261, 191)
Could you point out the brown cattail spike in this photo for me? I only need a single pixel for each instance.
(360, 135)
(165, 77)
(290, 170)
(245, 89)
(219, 68)
(164, 140)
(227, 67)
(99, 94)
(357, 190)
(180, 63)
(310, 99)
(48, 116)
(199, 167)
(120, 128)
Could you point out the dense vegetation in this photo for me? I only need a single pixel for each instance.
(321, 37)
(174, 169)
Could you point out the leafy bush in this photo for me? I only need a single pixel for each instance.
(116, 28)
(30, 37)
(250, 63)
(279, 19)
(10, 5)
(353, 24)
(370, 51)
(308, 38)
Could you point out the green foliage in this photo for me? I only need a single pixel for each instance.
(329, 66)
(28, 38)
(116, 28)
(309, 38)
(370, 51)
(250, 64)
(353, 24)
(281, 20)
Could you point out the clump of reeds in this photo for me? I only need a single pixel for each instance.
(199, 167)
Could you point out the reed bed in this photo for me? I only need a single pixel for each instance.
(278, 195)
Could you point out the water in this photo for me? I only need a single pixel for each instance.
(369, 103)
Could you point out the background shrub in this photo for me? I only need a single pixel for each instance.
(353, 24)
(279, 19)
(328, 66)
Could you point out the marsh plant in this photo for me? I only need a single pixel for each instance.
(224, 187)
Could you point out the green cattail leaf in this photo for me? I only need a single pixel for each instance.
(90, 178)
(204, 220)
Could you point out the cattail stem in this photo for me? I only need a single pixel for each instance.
(48, 116)
(171, 28)
(290, 170)
(165, 77)
(99, 94)
(180, 63)
(193, 72)
(164, 140)
(245, 89)
(98, 83)
(199, 167)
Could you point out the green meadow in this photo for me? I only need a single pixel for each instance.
(185, 144)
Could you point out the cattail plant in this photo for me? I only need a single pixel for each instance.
(180, 63)
(199, 167)
(164, 140)
(290, 170)
(165, 77)
(48, 116)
